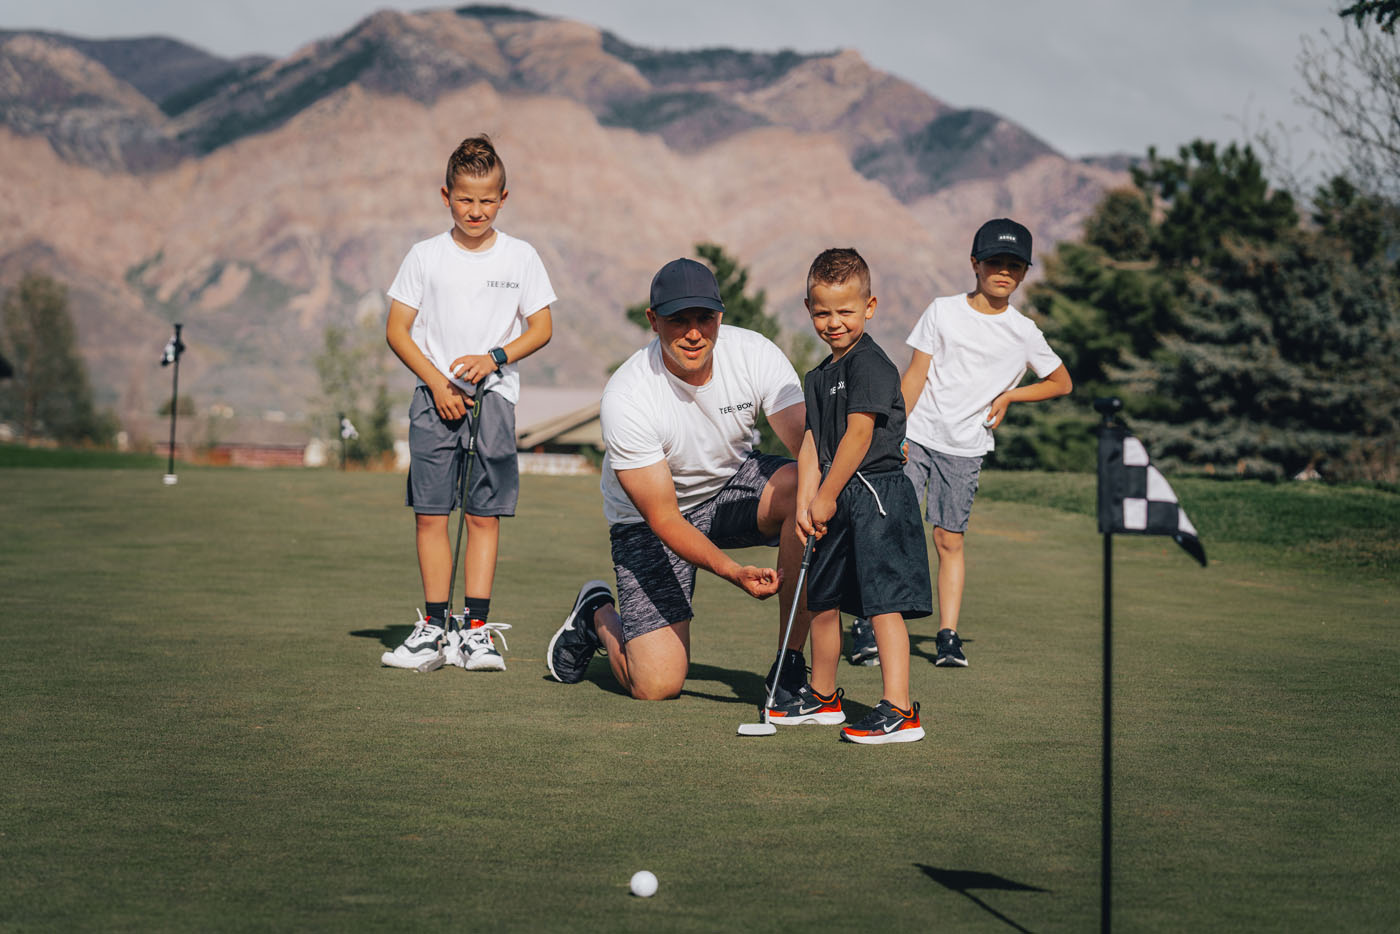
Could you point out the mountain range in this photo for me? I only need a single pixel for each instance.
(258, 199)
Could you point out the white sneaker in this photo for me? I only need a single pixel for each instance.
(421, 651)
(478, 651)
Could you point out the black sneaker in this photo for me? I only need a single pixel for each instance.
(950, 651)
(885, 724)
(864, 651)
(573, 645)
(793, 680)
(807, 706)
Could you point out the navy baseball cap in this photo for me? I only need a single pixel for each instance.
(1002, 236)
(683, 284)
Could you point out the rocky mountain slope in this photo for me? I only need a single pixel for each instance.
(257, 200)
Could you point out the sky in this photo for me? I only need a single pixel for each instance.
(1089, 77)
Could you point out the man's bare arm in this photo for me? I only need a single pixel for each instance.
(653, 492)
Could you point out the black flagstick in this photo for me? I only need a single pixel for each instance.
(1107, 408)
(172, 355)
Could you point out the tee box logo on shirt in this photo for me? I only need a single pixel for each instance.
(501, 284)
(731, 409)
(837, 388)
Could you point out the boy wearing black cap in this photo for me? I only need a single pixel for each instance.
(970, 352)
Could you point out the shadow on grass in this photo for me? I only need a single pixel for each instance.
(391, 637)
(960, 880)
(747, 686)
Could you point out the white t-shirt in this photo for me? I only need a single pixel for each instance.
(975, 358)
(703, 433)
(470, 302)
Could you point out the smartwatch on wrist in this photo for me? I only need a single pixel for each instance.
(498, 356)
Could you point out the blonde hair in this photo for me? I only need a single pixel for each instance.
(833, 267)
(476, 157)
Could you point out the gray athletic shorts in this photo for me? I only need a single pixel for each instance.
(654, 584)
(946, 484)
(437, 451)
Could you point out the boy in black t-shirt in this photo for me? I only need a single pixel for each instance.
(870, 559)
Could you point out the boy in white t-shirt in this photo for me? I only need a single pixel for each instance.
(467, 305)
(970, 353)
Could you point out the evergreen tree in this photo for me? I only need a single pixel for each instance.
(1241, 341)
(1288, 356)
(49, 395)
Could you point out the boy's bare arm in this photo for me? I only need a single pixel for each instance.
(653, 492)
(809, 476)
(1053, 386)
(911, 384)
(539, 328)
(451, 403)
(860, 427)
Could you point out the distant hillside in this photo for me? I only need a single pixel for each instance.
(257, 200)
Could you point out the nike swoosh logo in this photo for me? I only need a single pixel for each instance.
(803, 711)
(891, 727)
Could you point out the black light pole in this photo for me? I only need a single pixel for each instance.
(1107, 408)
(173, 350)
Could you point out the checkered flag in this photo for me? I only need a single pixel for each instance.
(1135, 498)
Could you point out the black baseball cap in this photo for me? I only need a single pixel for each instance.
(683, 284)
(1002, 236)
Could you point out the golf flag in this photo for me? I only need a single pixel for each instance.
(173, 348)
(1135, 498)
(347, 430)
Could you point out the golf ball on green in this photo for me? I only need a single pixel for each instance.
(643, 884)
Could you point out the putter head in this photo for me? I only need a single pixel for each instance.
(432, 664)
(757, 729)
(762, 728)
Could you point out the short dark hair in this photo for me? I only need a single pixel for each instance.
(835, 266)
(476, 157)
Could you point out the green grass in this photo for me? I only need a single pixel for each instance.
(1343, 530)
(196, 734)
(19, 455)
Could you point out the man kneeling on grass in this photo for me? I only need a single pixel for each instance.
(681, 481)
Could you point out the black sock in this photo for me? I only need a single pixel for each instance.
(593, 606)
(437, 612)
(477, 608)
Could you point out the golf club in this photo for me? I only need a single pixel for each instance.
(465, 473)
(766, 728)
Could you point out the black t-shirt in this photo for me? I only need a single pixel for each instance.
(864, 380)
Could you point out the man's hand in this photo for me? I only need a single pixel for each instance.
(451, 402)
(758, 582)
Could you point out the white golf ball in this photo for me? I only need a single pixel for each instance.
(643, 883)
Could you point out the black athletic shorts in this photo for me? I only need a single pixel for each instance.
(873, 559)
